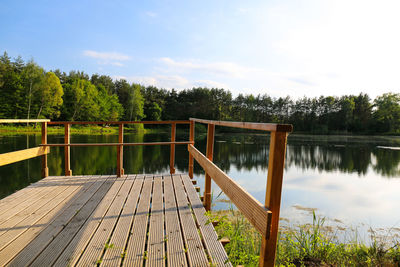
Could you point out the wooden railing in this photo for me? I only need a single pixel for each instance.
(120, 145)
(15, 156)
(265, 218)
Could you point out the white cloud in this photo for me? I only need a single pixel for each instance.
(243, 79)
(229, 69)
(107, 58)
(106, 55)
(172, 82)
(151, 14)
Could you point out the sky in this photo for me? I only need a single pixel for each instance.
(275, 47)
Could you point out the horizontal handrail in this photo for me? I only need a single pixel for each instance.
(118, 122)
(22, 120)
(254, 211)
(270, 127)
(15, 156)
(120, 144)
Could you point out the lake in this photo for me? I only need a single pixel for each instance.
(351, 180)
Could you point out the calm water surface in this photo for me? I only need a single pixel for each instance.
(351, 180)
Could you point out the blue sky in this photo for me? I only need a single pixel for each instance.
(279, 48)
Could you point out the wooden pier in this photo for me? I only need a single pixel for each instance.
(135, 219)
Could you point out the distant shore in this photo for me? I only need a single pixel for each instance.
(75, 129)
(6, 129)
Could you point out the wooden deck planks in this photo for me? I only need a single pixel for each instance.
(156, 242)
(175, 247)
(99, 241)
(193, 245)
(49, 208)
(18, 197)
(213, 245)
(135, 251)
(40, 233)
(25, 200)
(58, 245)
(25, 194)
(82, 236)
(114, 255)
(135, 220)
(47, 242)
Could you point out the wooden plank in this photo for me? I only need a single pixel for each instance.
(135, 251)
(209, 155)
(97, 244)
(270, 127)
(15, 156)
(193, 245)
(29, 197)
(82, 234)
(34, 241)
(63, 229)
(114, 255)
(276, 165)
(175, 247)
(119, 122)
(122, 144)
(14, 213)
(19, 212)
(55, 198)
(156, 242)
(210, 238)
(25, 193)
(22, 120)
(255, 212)
(19, 201)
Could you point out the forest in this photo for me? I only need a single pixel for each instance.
(28, 91)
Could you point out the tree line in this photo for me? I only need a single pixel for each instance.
(29, 91)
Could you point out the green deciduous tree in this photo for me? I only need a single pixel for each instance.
(387, 113)
(130, 96)
(32, 76)
(49, 94)
(80, 100)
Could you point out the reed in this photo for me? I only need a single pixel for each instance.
(311, 244)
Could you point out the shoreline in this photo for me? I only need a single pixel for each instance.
(96, 129)
(90, 129)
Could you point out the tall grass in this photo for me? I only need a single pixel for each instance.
(305, 245)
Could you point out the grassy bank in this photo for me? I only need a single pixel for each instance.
(8, 129)
(305, 245)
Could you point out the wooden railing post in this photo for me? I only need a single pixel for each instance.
(45, 169)
(67, 150)
(191, 139)
(276, 165)
(209, 155)
(120, 151)
(172, 150)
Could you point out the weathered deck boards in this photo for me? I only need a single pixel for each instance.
(134, 220)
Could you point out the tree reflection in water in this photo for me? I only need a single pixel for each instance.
(247, 152)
